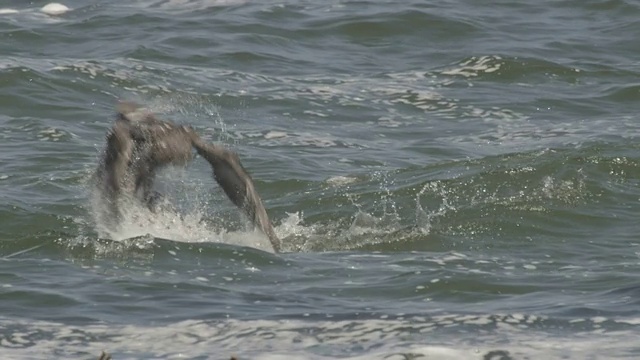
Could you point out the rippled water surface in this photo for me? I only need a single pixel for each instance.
(451, 180)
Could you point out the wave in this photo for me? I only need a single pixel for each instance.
(508, 336)
(484, 201)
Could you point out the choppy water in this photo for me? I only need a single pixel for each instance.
(451, 180)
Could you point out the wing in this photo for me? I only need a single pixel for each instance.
(111, 175)
(237, 184)
(117, 155)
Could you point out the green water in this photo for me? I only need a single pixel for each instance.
(452, 180)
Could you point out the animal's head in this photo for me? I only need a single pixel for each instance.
(133, 113)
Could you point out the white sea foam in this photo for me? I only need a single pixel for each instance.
(178, 6)
(188, 220)
(476, 66)
(182, 227)
(341, 180)
(320, 340)
(48, 13)
(7, 11)
(54, 9)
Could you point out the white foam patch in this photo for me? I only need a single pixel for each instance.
(292, 225)
(476, 66)
(188, 228)
(188, 225)
(179, 6)
(46, 13)
(52, 134)
(341, 180)
(193, 226)
(321, 340)
(275, 135)
(6, 11)
(54, 9)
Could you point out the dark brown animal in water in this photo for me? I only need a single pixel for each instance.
(139, 144)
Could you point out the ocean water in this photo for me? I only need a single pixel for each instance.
(450, 180)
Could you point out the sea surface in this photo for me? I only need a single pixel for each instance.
(453, 179)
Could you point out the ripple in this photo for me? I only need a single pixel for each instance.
(475, 66)
(321, 339)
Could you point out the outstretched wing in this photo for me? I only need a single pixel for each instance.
(237, 184)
